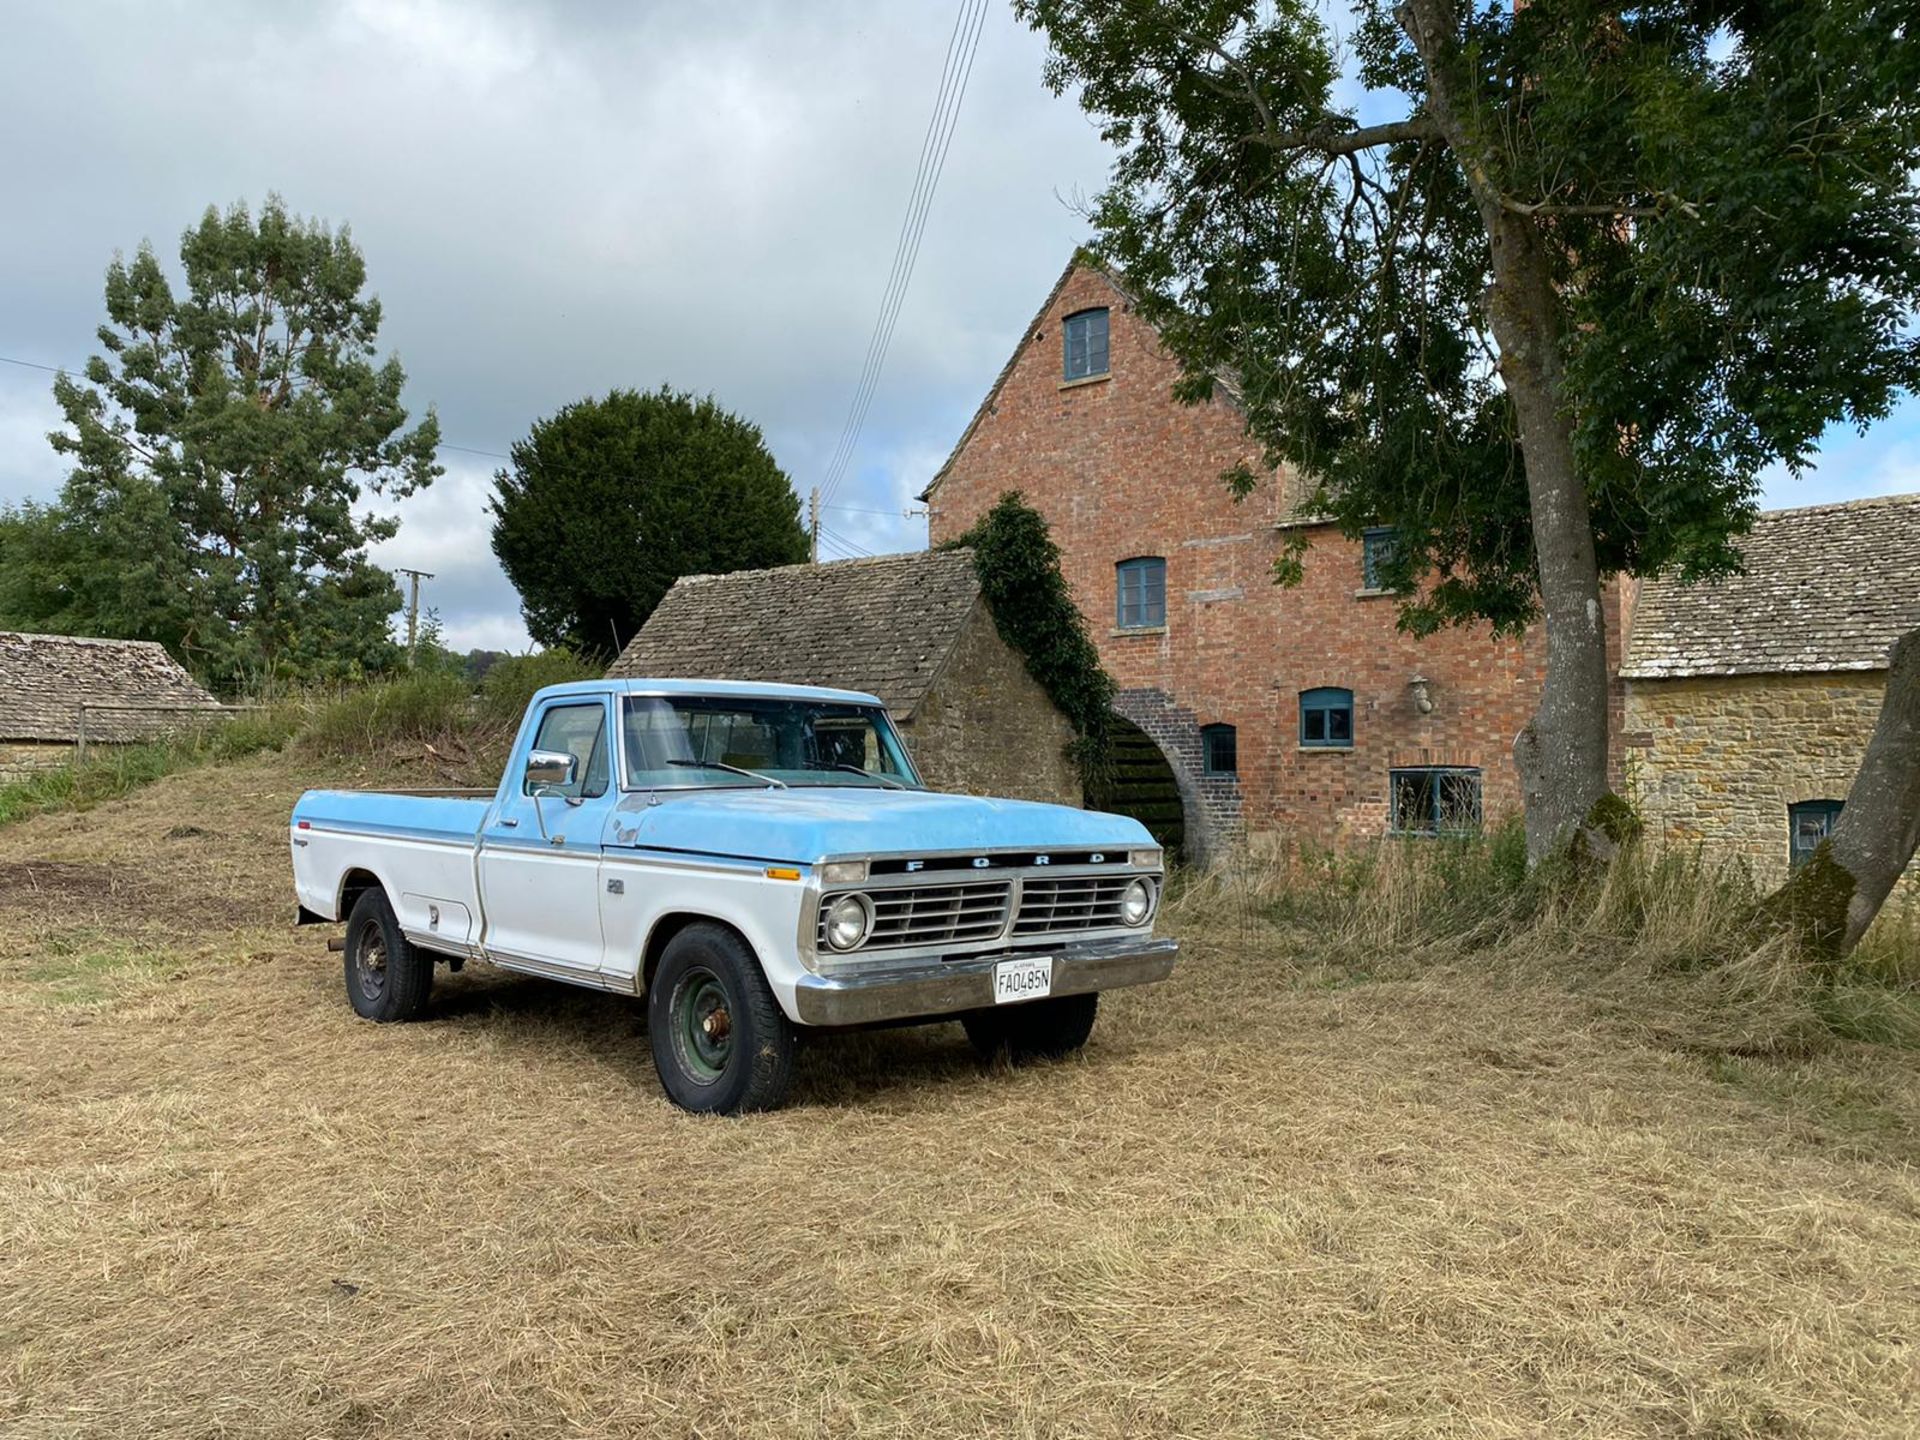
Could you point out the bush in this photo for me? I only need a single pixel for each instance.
(422, 707)
(510, 683)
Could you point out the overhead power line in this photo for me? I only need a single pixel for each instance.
(962, 46)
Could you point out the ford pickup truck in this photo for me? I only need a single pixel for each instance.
(749, 858)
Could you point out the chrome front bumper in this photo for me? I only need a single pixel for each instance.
(927, 988)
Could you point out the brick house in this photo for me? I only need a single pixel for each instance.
(1301, 713)
(1749, 701)
(54, 688)
(911, 629)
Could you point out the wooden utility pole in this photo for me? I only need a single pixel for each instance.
(813, 522)
(413, 610)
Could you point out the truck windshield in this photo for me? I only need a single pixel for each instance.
(679, 742)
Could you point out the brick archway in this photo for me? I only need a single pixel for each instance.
(1210, 804)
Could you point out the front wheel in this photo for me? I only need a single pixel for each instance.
(1035, 1030)
(720, 1042)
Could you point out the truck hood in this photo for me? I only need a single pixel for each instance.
(805, 824)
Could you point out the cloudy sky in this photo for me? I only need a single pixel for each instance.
(557, 199)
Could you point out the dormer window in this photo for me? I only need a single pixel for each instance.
(1086, 345)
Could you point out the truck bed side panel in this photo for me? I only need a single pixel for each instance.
(420, 848)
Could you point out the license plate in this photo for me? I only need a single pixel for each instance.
(1022, 980)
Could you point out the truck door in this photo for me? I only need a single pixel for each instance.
(540, 855)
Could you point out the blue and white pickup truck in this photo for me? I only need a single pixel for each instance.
(751, 858)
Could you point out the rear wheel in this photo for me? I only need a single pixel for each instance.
(1035, 1030)
(720, 1042)
(387, 977)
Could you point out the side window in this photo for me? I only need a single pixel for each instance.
(1326, 718)
(1219, 750)
(1808, 823)
(579, 731)
(1377, 547)
(1140, 593)
(1434, 802)
(1085, 345)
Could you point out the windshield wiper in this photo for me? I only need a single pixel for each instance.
(767, 780)
(886, 780)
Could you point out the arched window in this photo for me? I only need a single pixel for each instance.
(1326, 718)
(1219, 750)
(1085, 345)
(1808, 823)
(1140, 593)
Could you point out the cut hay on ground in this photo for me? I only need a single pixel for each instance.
(1272, 1199)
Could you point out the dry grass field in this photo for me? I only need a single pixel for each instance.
(1447, 1194)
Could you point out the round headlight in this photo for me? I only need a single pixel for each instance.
(848, 920)
(1136, 903)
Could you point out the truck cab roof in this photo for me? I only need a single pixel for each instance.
(764, 689)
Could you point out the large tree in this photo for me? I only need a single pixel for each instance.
(221, 446)
(609, 501)
(1581, 274)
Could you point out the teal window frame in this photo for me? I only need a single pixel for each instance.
(1378, 544)
(1084, 337)
(1140, 593)
(1326, 718)
(1219, 750)
(1800, 846)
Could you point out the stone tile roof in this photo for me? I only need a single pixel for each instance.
(882, 625)
(1830, 587)
(44, 679)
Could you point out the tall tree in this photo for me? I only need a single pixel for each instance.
(1596, 268)
(222, 444)
(608, 502)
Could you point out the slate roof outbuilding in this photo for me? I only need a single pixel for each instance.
(883, 625)
(1829, 587)
(44, 679)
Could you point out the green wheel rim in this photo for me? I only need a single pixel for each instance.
(702, 1019)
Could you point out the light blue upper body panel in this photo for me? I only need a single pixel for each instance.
(733, 688)
(454, 818)
(802, 824)
(808, 824)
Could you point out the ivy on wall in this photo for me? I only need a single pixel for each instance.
(1019, 569)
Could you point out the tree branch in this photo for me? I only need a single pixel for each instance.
(1324, 139)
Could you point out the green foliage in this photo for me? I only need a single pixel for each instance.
(1019, 569)
(511, 682)
(610, 501)
(113, 771)
(1724, 196)
(423, 707)
(221, 448)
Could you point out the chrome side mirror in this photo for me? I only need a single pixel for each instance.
(547, 771)
(550, 768)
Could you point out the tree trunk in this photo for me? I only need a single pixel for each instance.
(1562, 753)
(1833, 898)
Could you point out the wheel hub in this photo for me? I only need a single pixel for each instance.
(703, 1026)
(370, 958)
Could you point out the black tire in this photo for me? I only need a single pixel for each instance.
(1035, 1030)
(388, 979)
(720, 1043)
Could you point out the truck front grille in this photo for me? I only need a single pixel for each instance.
(1070, 902)
(930, 914)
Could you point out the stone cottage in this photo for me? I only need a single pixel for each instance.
(1288, 714)
(911, 629)
(54, 688)
(1750, 701)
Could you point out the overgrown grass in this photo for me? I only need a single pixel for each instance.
(426, 708)
(1665, 936)
(511, 683)
(113, 771)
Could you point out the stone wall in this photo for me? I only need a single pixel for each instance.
(986, 727)
(1121, 470)
(21, 758)
(1718, 759)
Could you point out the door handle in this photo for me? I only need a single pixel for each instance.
(509, 824)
